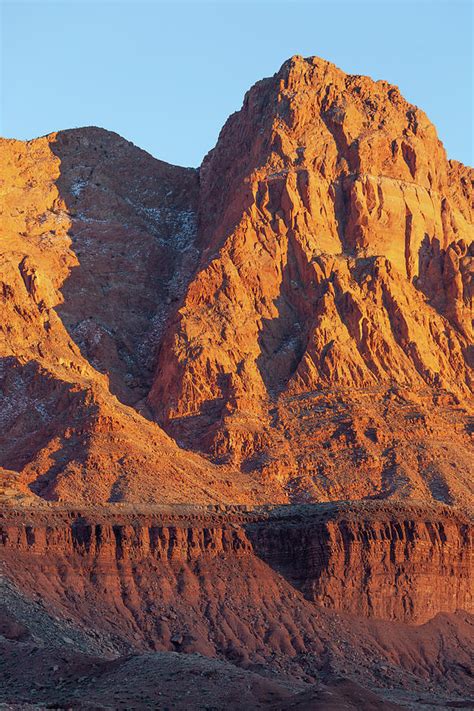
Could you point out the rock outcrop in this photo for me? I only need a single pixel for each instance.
(297, 312)
(412, 562)
(96, 244)
(404, 564)
(309, 593)
(335, 262)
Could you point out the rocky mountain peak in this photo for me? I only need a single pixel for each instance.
(298, 310)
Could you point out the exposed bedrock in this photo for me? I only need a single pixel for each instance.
(298, 310)
(375, 562)
(406, 568)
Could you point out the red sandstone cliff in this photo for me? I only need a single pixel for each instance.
(325, 337)
(279, 592)
(298, 310)
(407, 564)
(96, 244)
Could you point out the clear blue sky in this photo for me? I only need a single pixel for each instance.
(166, 75)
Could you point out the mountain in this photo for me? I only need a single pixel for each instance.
(236, 412)
(325, 338)
(96, 243)
(290, 322)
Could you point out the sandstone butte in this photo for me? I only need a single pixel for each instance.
(182, 351)
(290, 322)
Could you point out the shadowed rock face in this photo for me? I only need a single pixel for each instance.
(298, 310)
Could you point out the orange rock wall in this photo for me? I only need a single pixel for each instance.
(405, 569)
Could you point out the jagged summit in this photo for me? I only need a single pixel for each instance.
(325, 209)
(319, 68)
(297, 312)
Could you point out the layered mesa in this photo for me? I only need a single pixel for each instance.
(332, 606)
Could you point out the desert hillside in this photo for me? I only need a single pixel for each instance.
(236, 412)
(290, 322)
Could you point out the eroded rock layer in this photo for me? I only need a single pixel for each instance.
(96, 244)
(303, 595)
(337, 261)
(296, 313)
(407, 564)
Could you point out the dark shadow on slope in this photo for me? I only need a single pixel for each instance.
(133, 230)
(39, 414)
(283, 340)
(444, 276)
(297, 549)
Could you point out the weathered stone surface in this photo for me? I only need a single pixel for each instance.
(298, 310)
(291, 322)
(335, 262)
(407, 563)
(96, 243)
(302, 592)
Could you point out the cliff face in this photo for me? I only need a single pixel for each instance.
(396, 567)
(307, 593)
(298, 310)
(97, 240)
(336, 261)
(406, 566)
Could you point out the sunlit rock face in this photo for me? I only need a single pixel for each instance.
(296, 314)
(97, 245)
(332, 304)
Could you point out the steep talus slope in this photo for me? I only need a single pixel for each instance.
(337, 249)
(88, 275)
(74, 674)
